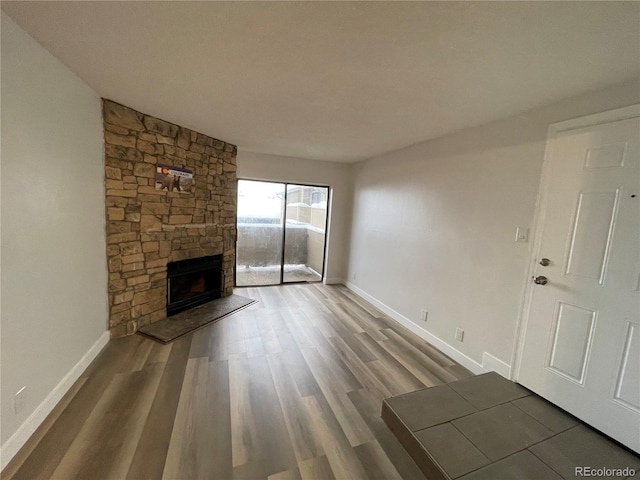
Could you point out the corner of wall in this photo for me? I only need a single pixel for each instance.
(493, 364)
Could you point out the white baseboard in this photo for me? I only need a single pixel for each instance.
(334, 281)
(493, 364)
(440, 344)
(20, 437)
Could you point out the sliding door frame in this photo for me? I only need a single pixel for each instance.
(284, 231)
(284, 234)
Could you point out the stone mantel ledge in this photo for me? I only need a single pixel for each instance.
(172, 228)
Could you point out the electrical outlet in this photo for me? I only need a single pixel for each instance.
(424, 315)
(19, 400)
(459, 334)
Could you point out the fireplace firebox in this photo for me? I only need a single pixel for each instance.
(193, 282)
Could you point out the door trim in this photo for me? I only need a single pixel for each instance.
(554, 130)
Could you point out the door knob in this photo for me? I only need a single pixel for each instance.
(545, 262)
(540, 280)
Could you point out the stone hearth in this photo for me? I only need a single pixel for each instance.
(147, 228)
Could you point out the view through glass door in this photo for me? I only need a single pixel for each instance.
(281, 233)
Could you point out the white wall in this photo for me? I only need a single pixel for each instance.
(434, 227)
(54, 275)
(338, 176)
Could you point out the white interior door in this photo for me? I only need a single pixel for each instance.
(581, 347)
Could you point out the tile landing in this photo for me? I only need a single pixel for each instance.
(487, 428)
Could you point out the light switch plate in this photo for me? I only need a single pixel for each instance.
(522, 234)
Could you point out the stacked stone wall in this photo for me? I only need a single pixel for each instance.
(147, 228)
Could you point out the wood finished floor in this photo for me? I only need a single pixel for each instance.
(290, 388)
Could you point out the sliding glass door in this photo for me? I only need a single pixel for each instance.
(306, 221)
(260, 233)
(281, 233)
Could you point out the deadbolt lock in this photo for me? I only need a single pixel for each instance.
(540, 280)
(545, 262)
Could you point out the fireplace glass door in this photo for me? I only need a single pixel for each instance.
(193, 282)
(281, 233)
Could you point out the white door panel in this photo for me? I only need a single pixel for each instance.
(571, 341)
(628, 378)
(591, 234)
(581, 347)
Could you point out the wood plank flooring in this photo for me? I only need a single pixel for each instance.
(290, 388)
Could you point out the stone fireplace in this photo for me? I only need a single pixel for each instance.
(149, 229)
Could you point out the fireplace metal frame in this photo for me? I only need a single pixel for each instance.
(194, 265)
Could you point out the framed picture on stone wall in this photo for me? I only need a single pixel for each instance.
(174, 179)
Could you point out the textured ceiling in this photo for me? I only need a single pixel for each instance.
(338, 81)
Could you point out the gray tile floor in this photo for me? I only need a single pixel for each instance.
(488, 428)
